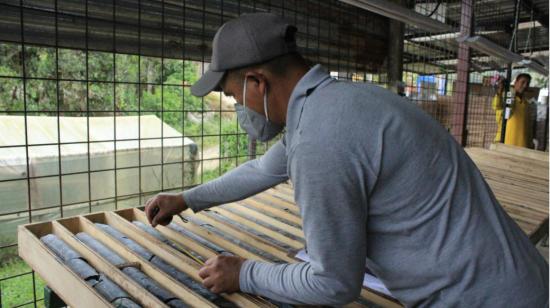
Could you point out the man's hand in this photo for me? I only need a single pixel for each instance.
(162, 207)
(220, 274)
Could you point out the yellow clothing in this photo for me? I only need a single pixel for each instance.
(518, 129)
(498, 108)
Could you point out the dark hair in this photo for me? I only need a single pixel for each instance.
(523, 75)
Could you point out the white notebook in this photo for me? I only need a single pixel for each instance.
(369, 281)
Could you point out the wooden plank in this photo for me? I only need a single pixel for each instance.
(284, 205)
(273, 211)
(505, 161)
(508, 163)
(532, 192)
(522, 156)
(248, 238)
(265, 224)
(519, 151)
(290, 229)
(277, 236)
(521, 202)
(54, 272)
(502, 171)
(514, 178)
(281, 194)
(140, 294)
(520, 181)
(520, 214)
(539, 216)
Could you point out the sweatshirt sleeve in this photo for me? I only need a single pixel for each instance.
(246, 180)
(331, 192)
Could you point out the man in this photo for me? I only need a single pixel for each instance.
(376, 179)
(518, 126)
(497, 106)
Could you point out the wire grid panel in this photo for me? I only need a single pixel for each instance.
(459, 93)
(429, 62)
(95, 98)
(512, 26)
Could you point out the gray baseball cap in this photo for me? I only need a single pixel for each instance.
(244, 41)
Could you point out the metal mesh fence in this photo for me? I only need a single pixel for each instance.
(512, 26)
(96, 112)
(429, 62)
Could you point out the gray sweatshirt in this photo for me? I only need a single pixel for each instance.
(380, 182)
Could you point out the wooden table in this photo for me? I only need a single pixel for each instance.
(266, 227)
(519, 179)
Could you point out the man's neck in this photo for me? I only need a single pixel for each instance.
(284, 90)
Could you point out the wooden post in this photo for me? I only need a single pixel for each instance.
(459, 117)
(395, 54)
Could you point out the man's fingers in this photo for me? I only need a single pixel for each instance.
(148, 214)
(210, 261)
(150, 209)
(157, 215)
(208, 283)
(155, 222)
(204, 272)
(165, 221)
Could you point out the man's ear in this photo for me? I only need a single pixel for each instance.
(257, 81)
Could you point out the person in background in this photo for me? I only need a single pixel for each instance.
(518, 126)
(497, 105)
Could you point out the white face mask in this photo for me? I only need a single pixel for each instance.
(256, 125)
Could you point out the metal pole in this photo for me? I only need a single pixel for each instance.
(506, 92)
(251, 148)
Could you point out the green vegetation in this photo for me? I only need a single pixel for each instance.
(80, 83)
(116, 83)
(19, 289)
